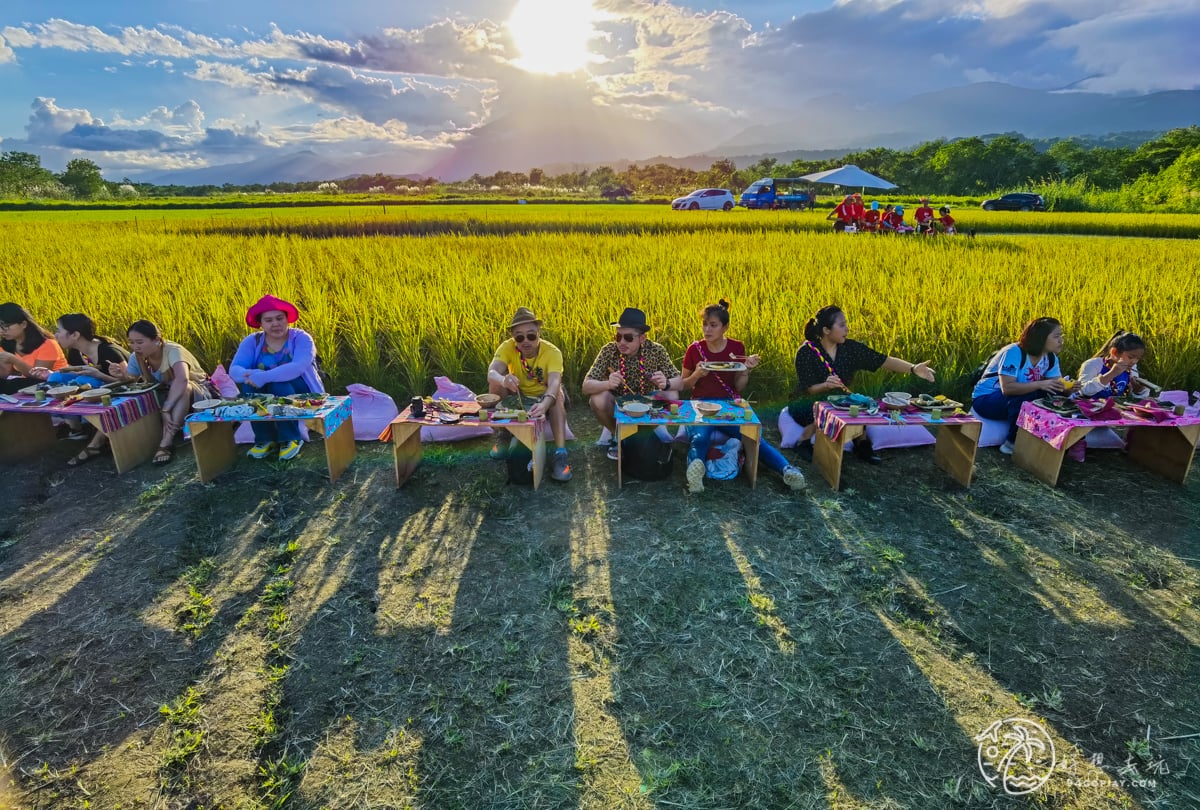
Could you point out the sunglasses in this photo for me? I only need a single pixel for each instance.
(628, 338)
(526, 338)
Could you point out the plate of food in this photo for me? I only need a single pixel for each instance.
(94, 393)
(207, 404)
(131, 388)
(633, 408)
(843, 401)
(722, 365)
(1064, 406)
(62, 391)
(928, 402)
(708, 408)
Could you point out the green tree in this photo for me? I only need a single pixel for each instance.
(83, 178)
(21, 173)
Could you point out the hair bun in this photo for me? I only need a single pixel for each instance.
(723, 303)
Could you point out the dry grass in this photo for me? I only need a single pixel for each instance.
(463, 643)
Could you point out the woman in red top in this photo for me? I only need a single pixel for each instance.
(716, 347)
(946, 220)
(26, 350)
(843, 213)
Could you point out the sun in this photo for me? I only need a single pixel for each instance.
(552, 35)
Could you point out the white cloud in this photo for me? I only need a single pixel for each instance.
(49, 121)
(6, 53)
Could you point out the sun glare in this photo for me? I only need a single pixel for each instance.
(552, 35)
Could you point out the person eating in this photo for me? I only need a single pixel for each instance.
(631, 365)
(527, 365)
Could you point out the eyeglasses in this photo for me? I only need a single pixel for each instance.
(627, 337)
(526, 338)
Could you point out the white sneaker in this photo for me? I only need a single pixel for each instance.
(794, 479)
(1007, 448)
(695, 475)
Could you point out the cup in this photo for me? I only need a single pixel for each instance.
(1179, 410)
(935, 414)
(418, 408)
(39, 395)
(106, 399)
(852, 411)
(674, 409)
(483, 415)
(522, 416)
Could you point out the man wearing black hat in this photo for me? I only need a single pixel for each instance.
(632, 365)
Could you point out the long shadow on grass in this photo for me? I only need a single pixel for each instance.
(91, 650)
(431, 669)
(775, 652)
(1029, 585)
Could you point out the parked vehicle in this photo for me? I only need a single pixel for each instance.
(1017, 201)
(705, 199)
(791, 193)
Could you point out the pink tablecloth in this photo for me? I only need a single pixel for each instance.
(1054, 428)
(123, 411)
(831, 421)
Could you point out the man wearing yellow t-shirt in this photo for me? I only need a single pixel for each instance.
(534, 367)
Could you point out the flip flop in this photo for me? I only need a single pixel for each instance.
(85, 455)
(163, 456)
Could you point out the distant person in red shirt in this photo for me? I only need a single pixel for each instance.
(843, 215)
(856, 207)
(924, 217)
(947, 221)
(870, 220)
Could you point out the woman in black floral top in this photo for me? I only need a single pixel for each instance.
(827, 361)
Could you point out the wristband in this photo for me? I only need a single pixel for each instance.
(912, 368)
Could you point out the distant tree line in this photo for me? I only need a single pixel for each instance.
(1159, 170)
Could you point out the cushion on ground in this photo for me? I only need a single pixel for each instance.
(994, 433)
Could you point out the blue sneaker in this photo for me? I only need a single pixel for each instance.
(290, 450)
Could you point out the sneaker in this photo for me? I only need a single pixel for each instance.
(261, 450)
(499, 450)
(290, 450)
(794, 479)
(561, 470)
(77, 435)
(1007, 448)
(695, 475)
(612, 450)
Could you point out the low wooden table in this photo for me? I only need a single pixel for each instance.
(215, 450)
(405, 435)
(1043, 438)
(954, 451)
(133, 425)
(746, 423)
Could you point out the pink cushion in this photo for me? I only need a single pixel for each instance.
(884, 436)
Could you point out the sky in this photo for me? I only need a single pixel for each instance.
(141, 87)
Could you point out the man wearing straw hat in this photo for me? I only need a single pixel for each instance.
(532, 368)
(632, 365)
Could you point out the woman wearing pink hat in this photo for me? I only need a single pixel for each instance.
(278, 360)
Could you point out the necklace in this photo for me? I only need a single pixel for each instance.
(717, 374)
(531, 372)
(821, 355)
(641, 372)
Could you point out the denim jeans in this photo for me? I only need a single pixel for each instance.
(702, 438)
(997, 406)
(282, 432)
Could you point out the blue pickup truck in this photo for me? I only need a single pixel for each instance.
(791, 193)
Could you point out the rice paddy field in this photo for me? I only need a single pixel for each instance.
(394, 298)
(277, 640)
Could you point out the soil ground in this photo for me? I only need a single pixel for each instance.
(276, 640)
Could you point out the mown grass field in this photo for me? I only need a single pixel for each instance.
(275, 640)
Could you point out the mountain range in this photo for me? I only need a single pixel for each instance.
(544, 134)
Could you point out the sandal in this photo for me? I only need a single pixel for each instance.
(85, 455)
(163, 456)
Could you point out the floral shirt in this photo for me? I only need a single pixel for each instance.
(637, 369)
